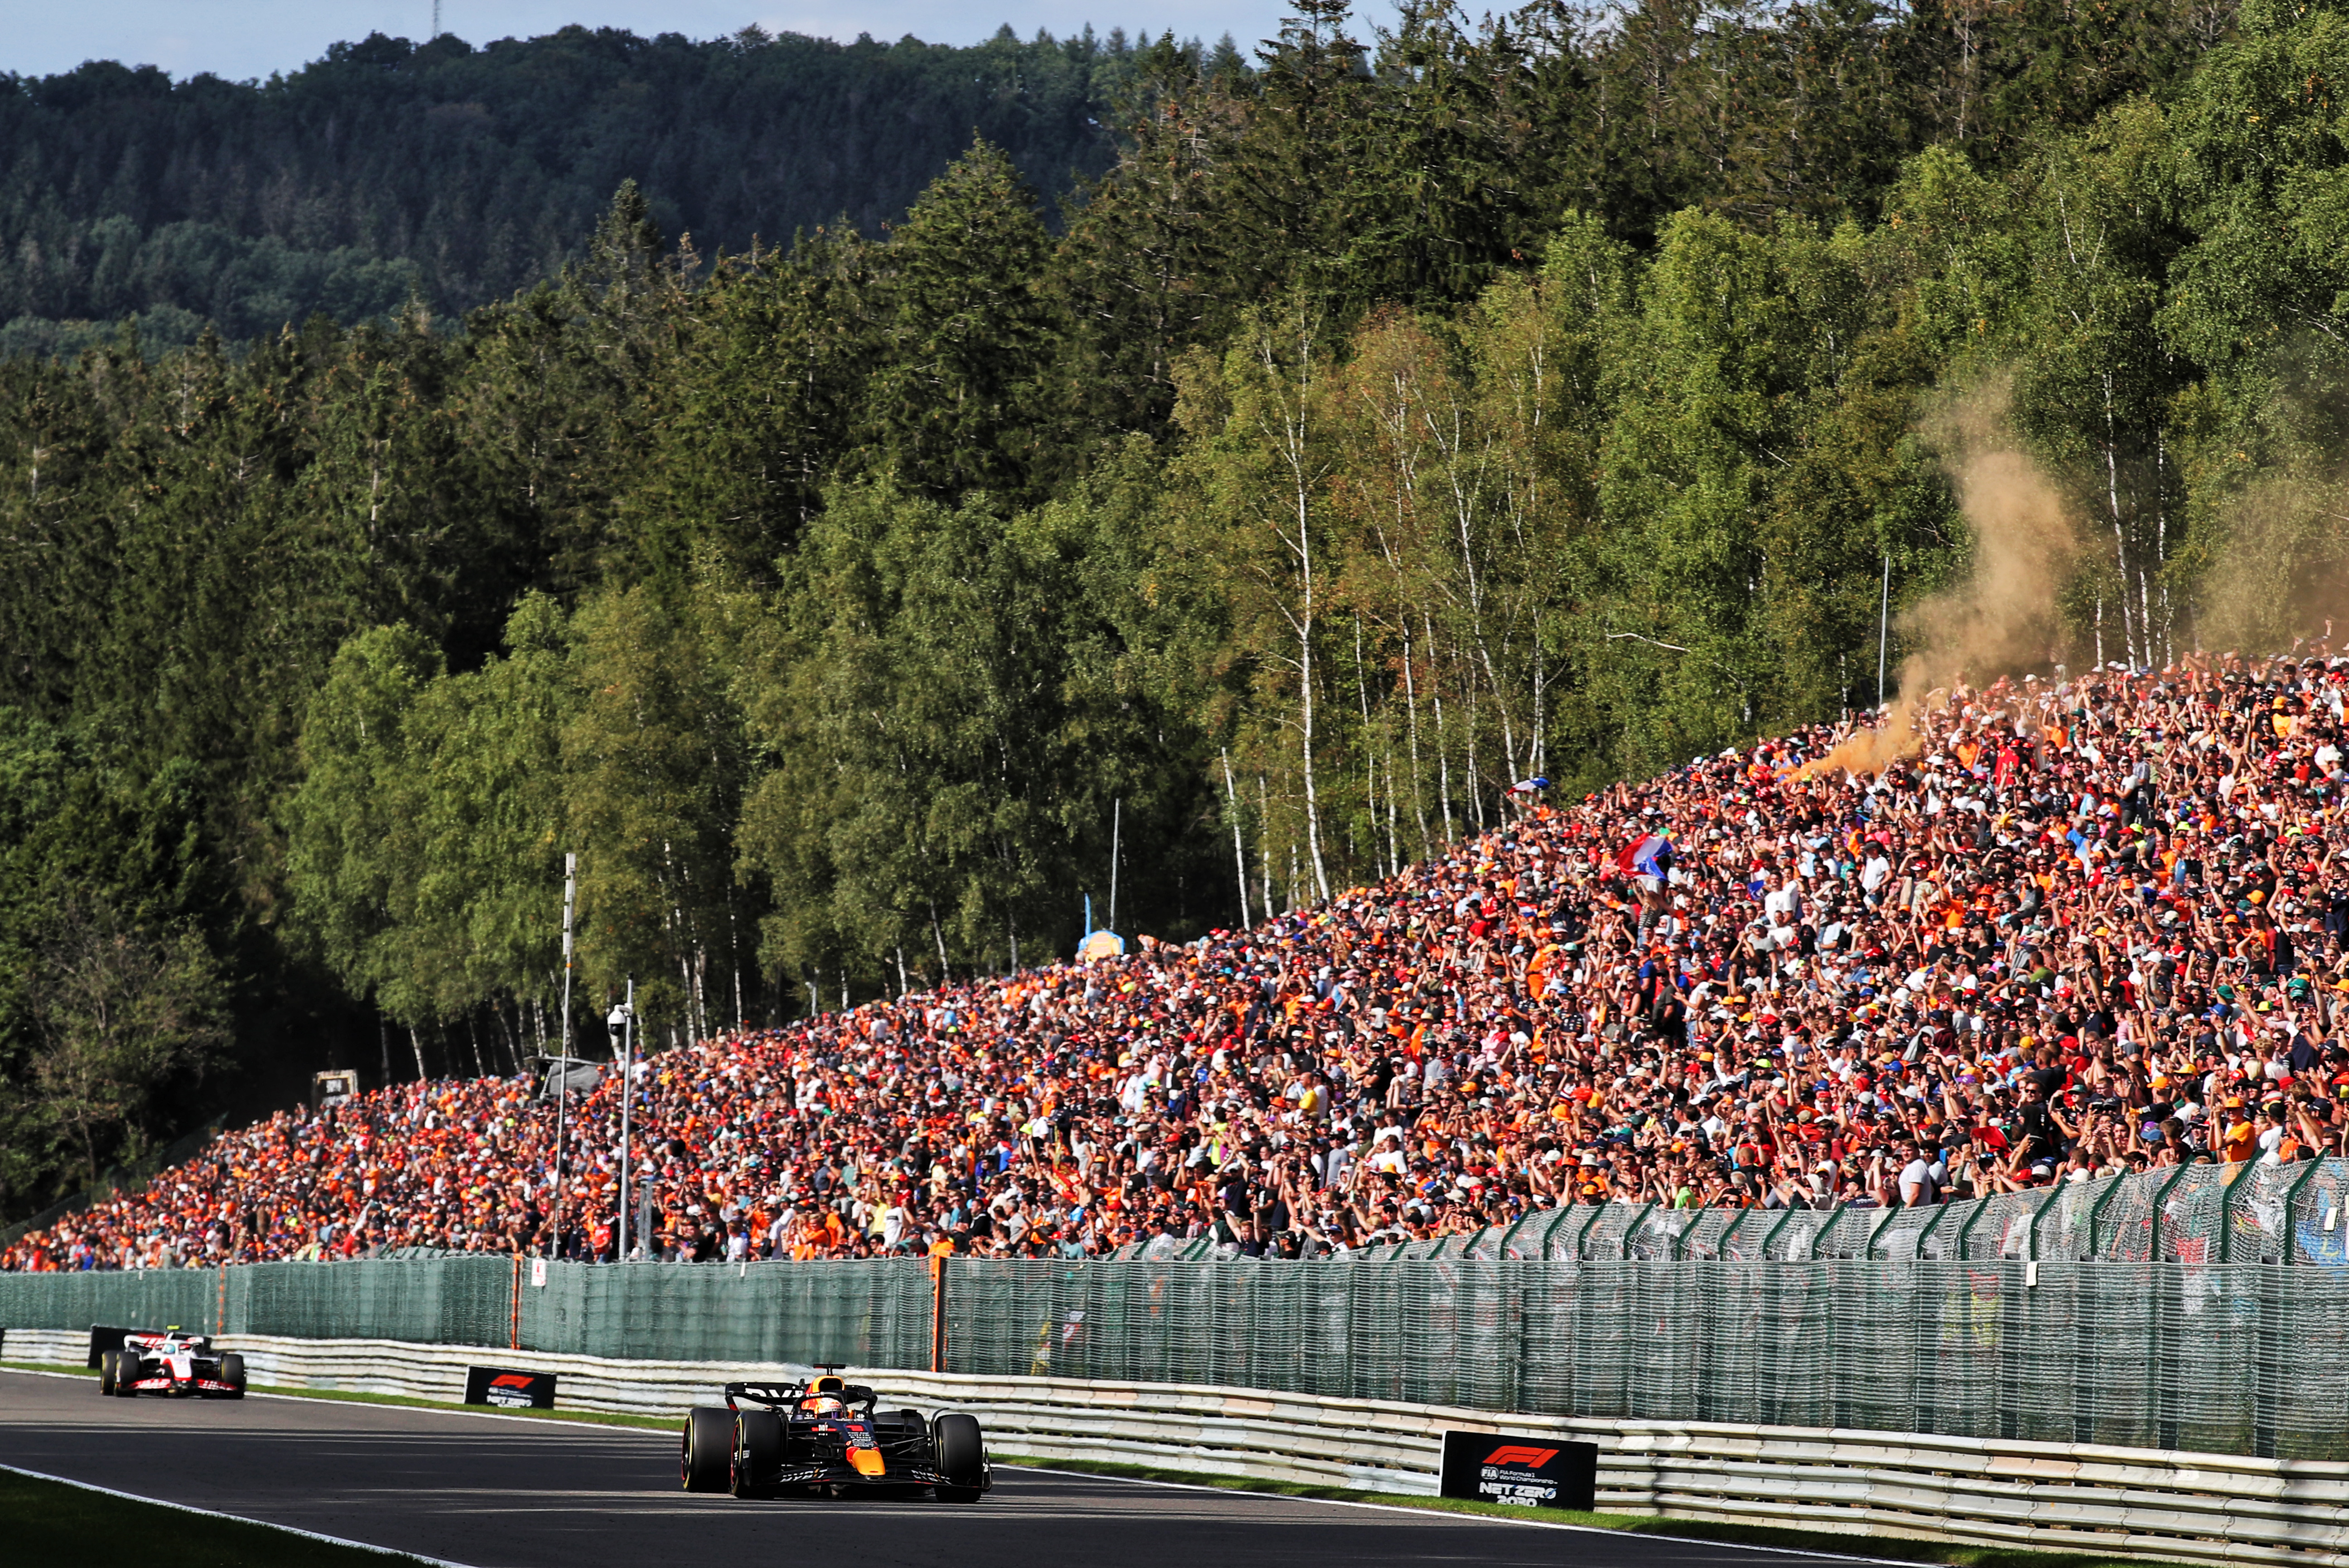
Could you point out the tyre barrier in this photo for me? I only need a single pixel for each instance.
(2067, 1497)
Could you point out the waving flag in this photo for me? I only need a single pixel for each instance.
(1648, 856)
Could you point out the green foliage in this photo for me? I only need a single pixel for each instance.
(459, 176)
(755, 409)
(955, 407)
(951, 702)
(111, 994)
(1396, 417)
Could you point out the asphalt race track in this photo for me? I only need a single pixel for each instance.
(517, 1493)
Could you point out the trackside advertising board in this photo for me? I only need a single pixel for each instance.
(1525, 1473)
(501, 1386)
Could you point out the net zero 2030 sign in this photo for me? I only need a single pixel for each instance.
(1525, 1472)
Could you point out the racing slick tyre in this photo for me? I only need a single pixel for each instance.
(709, 1448)
(758, 1451)
(126, 1375)
(961, 1456)
(233, 1373)
(106, 1364)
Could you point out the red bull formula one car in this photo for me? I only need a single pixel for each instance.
(824, 1438)
(167, 1361)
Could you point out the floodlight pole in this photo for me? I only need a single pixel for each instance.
(1883, 628)
(562, 1052)
(624, 1024)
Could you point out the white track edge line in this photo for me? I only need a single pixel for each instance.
(1015, 1462)
(233, 1518)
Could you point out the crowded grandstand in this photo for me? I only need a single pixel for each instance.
(2043, 931)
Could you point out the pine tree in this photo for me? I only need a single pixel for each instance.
(956, 406)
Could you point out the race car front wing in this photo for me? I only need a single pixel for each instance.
(848, 1475)
(163, 1383)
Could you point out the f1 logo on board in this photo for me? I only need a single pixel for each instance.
(1532, 1458)
(509, 1387)
(1492, 1467)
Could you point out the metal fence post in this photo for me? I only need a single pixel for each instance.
(937, 1312)
(2096, 1215)
(2277, 1321)
(2291, 1205)
(2160, 1203)
(1925, 1232)
(1980, 1207)
(1721, 1242)
(2230, 1177)
(1883, 1223)
(1623, 1254)
(2031, 1233)
(1582, 1236)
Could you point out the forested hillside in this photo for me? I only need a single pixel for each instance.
(1399, 416)
(459, 175)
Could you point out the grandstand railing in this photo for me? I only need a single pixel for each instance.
(2204, 1308)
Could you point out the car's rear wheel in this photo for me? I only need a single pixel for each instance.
(107, 1360)
(758, 1451)
(233, 1373)
(126, 1375)
(961, 1454)
(707, 1451)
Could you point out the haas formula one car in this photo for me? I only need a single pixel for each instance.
(171, 1362)
(824, 1438)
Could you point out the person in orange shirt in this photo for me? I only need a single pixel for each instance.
(2239, 1139)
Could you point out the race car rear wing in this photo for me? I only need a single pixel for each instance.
(783, 1395)
(103, 1338)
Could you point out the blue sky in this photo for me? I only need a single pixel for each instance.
(241, 38)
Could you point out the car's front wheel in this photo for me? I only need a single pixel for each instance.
(961, 1454)
(758, 1451)
(707, 1448)
(233, 1373)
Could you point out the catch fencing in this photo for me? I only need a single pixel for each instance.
(2203, 1309)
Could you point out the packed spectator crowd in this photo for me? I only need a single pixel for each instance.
(2077, 928)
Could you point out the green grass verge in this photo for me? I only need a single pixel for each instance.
(61, 1526)
(1899, 1548)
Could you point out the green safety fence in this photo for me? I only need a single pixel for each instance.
(2205, 1308)
(866, 1314)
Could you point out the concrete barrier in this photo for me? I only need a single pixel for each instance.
(2133, 1502)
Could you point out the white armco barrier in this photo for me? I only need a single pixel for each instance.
(2132, 1502)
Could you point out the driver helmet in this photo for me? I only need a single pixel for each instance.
(824, 1397)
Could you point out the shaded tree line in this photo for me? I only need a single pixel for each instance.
(453, 176)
